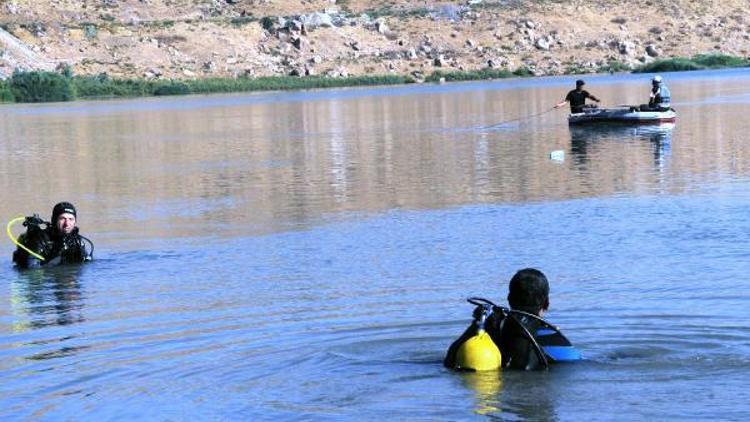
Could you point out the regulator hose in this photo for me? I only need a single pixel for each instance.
(15, 240)
(91, 252)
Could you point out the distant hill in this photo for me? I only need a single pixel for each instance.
(207, 38)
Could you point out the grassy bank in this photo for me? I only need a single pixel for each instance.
(41, 86)
(103, 86)
(38, 86)
(697, 62)
(475, 75)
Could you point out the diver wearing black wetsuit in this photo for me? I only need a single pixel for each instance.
(511, 336)
(59, 242)
(513, 333)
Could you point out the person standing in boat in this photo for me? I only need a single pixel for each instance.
(577, 99)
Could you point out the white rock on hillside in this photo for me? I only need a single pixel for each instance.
(542, 44)
(317, 19)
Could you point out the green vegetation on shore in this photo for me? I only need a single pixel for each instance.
(37, 87)
(697, 62)
(475, 75)
(103, 86)
(40, 86)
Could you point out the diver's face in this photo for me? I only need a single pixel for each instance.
(65, 223)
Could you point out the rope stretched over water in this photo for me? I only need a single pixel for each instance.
(518, 119)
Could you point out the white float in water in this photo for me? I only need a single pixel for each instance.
(558, 155)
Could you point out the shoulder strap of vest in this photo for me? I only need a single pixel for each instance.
(532, 339)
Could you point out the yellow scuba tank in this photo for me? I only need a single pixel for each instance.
(479, 353)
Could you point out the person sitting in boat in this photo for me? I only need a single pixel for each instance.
(577, 99)
(58, 243)
(511, 330)
(660, 98)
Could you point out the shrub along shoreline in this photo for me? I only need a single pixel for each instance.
(41, 86)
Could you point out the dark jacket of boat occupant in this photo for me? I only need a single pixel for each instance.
(58, 243)
(528, 292)
(577, 98)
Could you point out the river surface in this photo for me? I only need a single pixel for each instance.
(307, 255)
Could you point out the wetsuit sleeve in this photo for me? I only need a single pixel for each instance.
(35, 242)
(78, 249)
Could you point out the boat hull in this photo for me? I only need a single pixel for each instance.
(622, 115)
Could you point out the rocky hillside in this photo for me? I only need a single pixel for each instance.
(206, 38)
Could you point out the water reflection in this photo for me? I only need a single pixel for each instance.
(530, 396)
(46, 297)
(515, 397)
(270, 163)
(584, 138)
(487, 386)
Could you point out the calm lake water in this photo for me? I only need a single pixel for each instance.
(307, 255)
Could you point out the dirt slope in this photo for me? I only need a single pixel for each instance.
(203, 38)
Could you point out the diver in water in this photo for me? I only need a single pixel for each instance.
(517, 332)
(56, 244)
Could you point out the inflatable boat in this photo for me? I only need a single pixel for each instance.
(626, 115)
